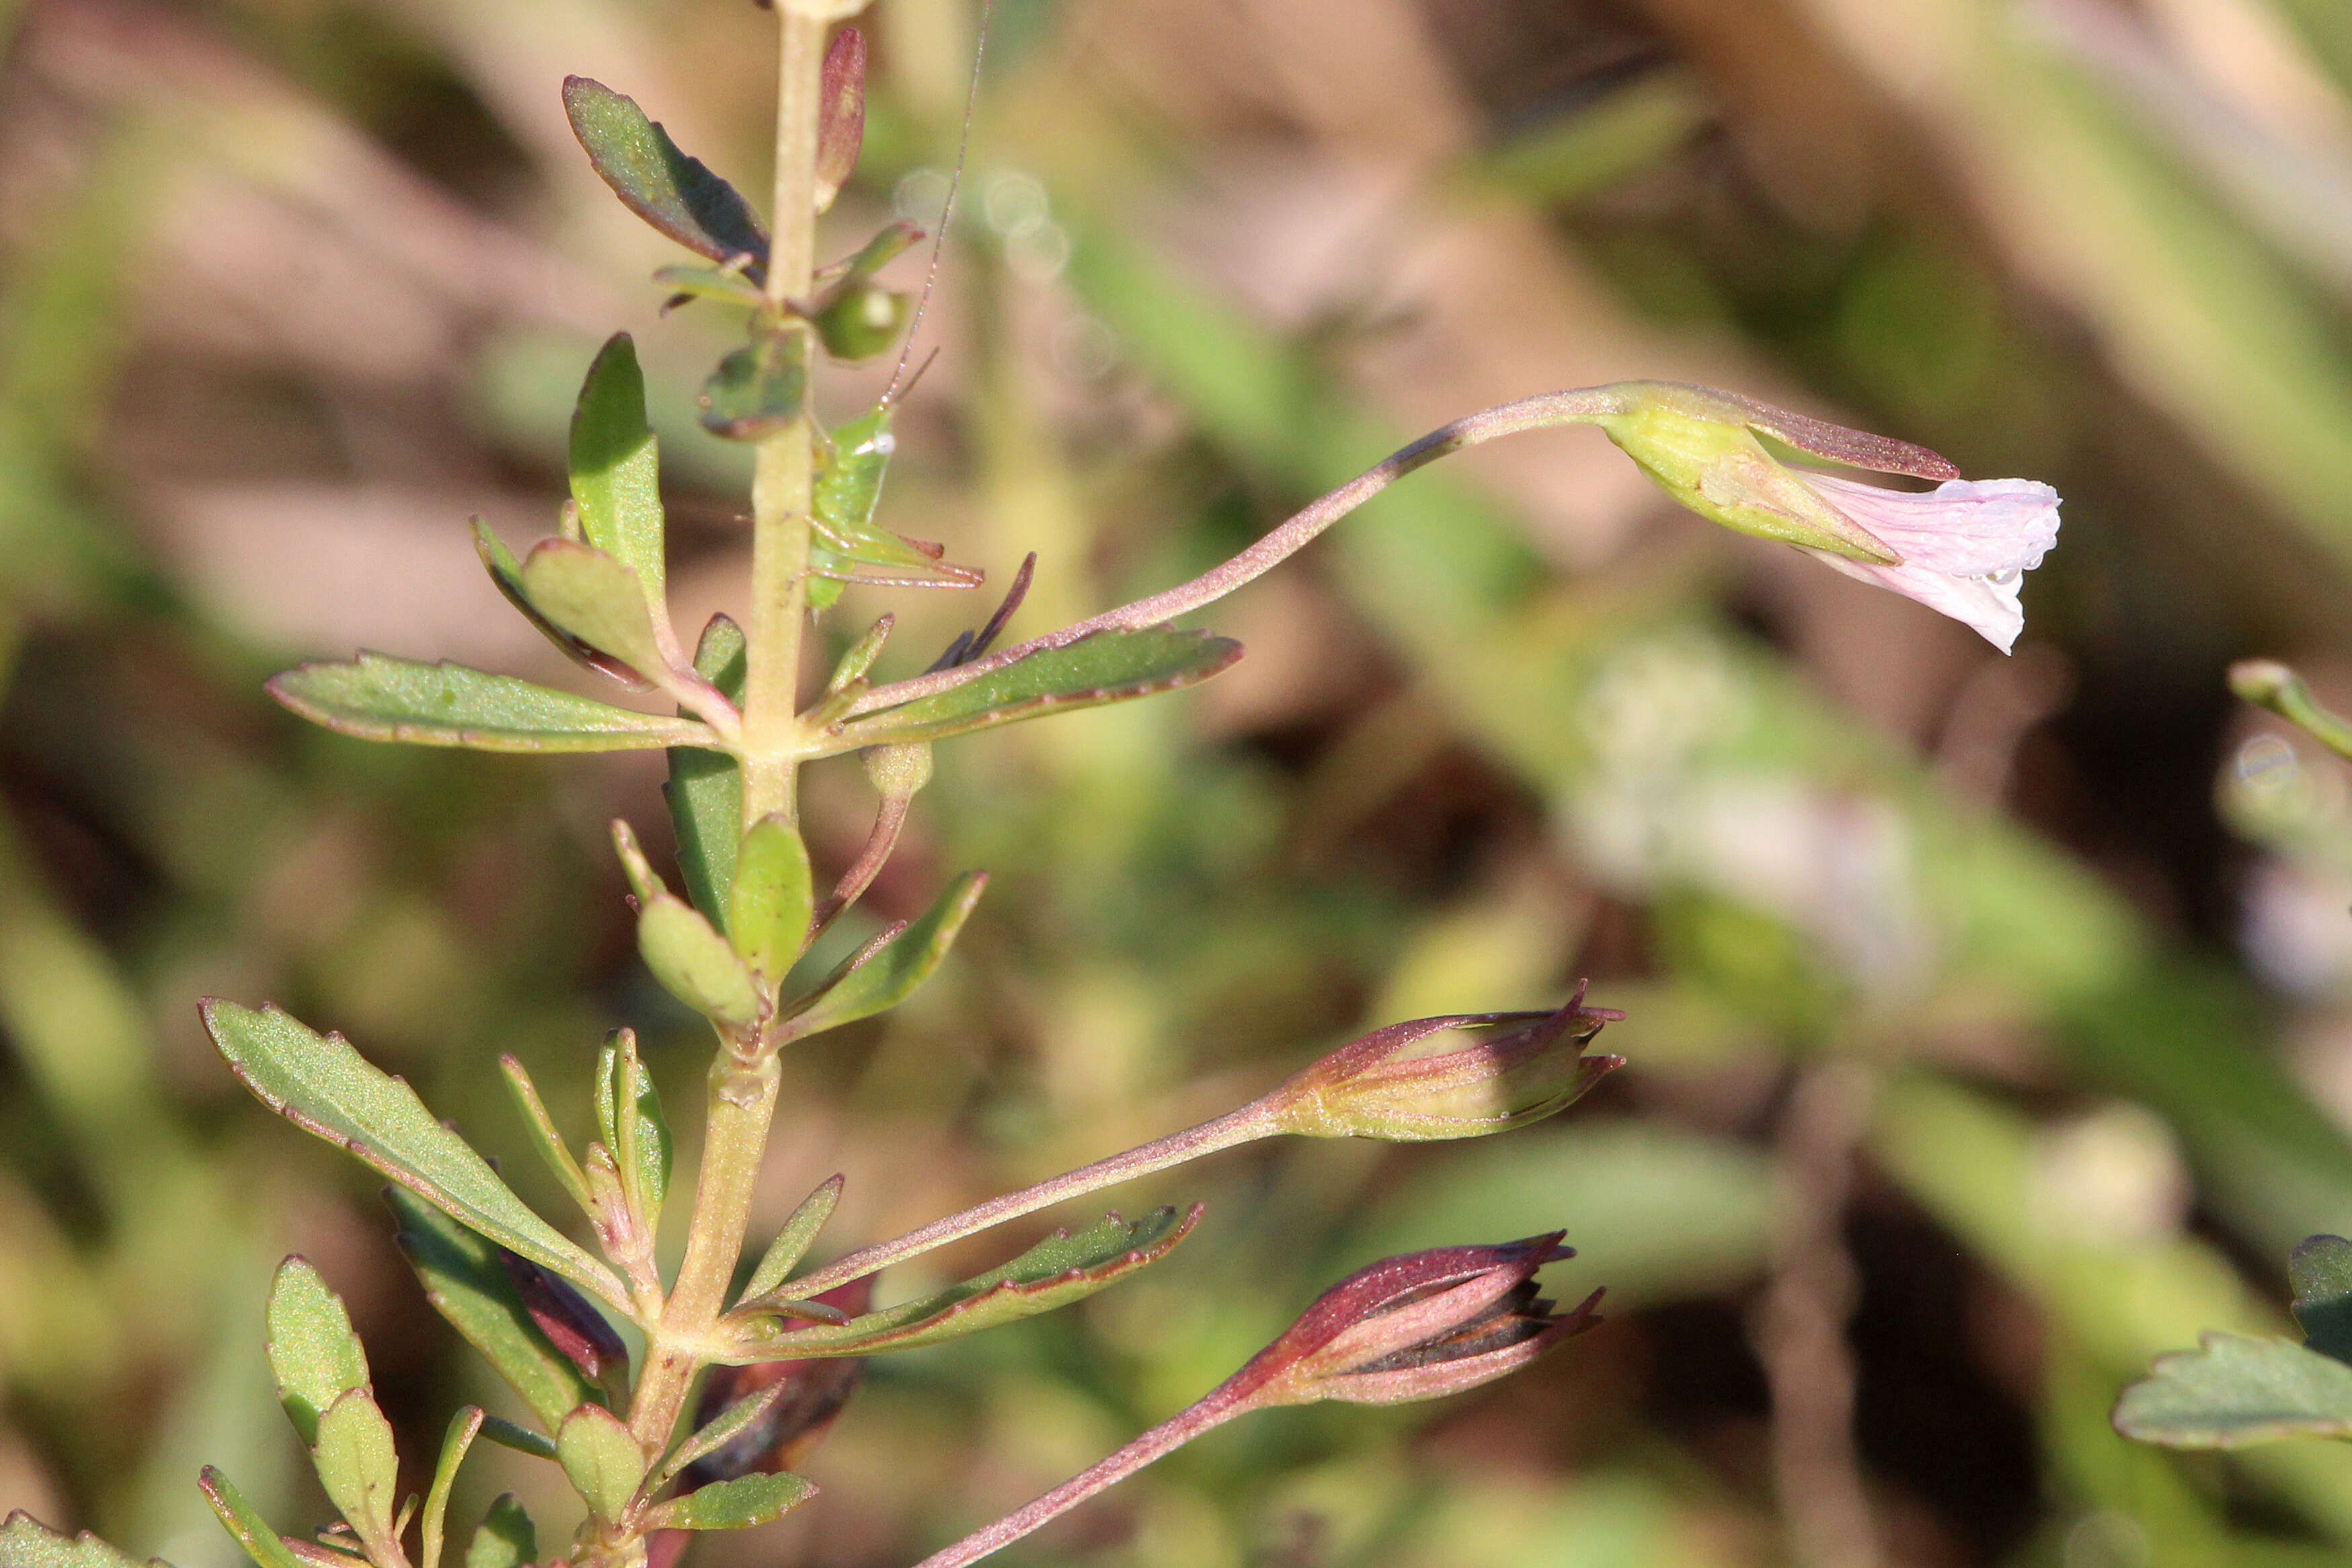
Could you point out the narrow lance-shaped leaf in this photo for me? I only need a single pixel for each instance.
(615, 468)
(506, 573)
(760, 388)
(25, 1543)
(774, 894)
(468, 1285)
(705, 792)
(733, 1505)
(314, 1356)
(603, 1462)
(379, 697)
(1056, 1271)
(629, 1113)
(464, 1427)
(675, 194)
(2237, 1390)
(685, 950)
(719, 1431)
(544, 1135)
(891, 976)
(597, 598)
(792, 1242)
(505, 1538)
(322, 1085)
(1109, 666)
(247, 1527)
(360, 1470)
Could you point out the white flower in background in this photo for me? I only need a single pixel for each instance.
(1965, 545)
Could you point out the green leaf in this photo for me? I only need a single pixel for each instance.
(774, 894)
(323, 1086)
(521, 1439)
(615, 468)
(380, 697)
(891, 977)
(710, 283)
(705, 792)
(2320, 1268)
(629, 1112)
(734, 1505)
(694, 962)
(505, 1538)
(1056, 1271)
(760, 388)
(1109, 666)
(467, 1285)
(359, 1469)
(722, 1430)
(595, 597)
(545, 1136)
(25, 1543)
(252, 1531)
(674, 192)
(464, 1427)
(792, 1242)
(2237, 1390)
(506, 571)
(604, 1462)
(313, 1354)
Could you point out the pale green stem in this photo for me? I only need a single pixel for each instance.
(742, 1099)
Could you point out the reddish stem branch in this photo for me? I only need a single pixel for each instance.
(1164, 1438)
(887, 820)
(1251, 1121)
(1580, 406)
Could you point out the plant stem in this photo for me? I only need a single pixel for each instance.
(1252, 1121)
(742, 1099)
(781, 484)
(1164, 1438)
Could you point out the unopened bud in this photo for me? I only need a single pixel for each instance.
(897, 772)
(1416, 1327)
(1529, 1065)
(572, 1326)
(841, 126)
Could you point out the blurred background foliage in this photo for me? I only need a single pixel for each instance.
(2004, 1002)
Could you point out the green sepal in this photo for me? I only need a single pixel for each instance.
(247, 1526)
(1109, 666)
(602, 1460)
(760, 388)
(615, 468)
(2237, 1390)
(792, 1242)
(504, 1538)
(379, 697)
(704, 791)
(25, 1543)
(735, 1504)
(890, 975)
(1056, 1271)
(464, 1427)
(314, 1356)
(773, 898)
(360, 1470)
(323, 1086)
(596, 597)
(469, 1286)
(629, 1113)
(675, 194)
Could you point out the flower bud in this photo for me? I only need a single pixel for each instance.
(897, 772)
(1416, 1327)
(1377, 1087)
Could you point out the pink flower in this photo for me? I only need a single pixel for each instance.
(1965, 545)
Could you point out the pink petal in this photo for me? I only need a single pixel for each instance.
(1962, 528)
(1989, 606)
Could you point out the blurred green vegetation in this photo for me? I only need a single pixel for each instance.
(288, 288)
